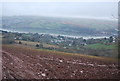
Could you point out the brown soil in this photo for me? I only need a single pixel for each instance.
(26, 63)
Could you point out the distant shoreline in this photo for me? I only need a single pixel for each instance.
(72, 36)
(67, 17)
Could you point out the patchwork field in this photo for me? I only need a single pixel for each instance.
(21, 62)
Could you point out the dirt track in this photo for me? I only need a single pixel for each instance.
(24, 63)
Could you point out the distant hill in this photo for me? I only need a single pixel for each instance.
(56, 25)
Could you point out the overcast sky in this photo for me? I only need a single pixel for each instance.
(64, 9)
(59, 0)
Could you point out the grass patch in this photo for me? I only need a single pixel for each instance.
(30, 43)
(101, 46)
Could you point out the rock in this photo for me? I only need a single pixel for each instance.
(61, 60)
(43, 74)
(81, 71)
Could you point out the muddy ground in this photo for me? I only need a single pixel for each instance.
(26, 63)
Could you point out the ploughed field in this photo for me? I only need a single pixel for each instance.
(26, 63)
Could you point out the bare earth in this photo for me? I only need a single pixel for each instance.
(26, 63)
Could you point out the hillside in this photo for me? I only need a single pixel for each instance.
(56, 25)
(26, 63)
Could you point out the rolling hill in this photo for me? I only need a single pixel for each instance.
(56, 25)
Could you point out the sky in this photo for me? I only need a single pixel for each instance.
(59, 0)
(62, 9)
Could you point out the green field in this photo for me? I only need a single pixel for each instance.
(101, 46)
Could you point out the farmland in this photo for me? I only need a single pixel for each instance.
(32, 44)
(36, 52)
(45, 56)
(101, 46)
(61, 26)
(56, 41)
(20, 62)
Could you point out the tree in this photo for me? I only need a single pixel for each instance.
(20, 42)
(37, 45)
(84, 40)
(110, 39)
(105, 38)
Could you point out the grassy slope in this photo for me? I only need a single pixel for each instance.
(54, 23)
(29, 43)
(101, 46)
